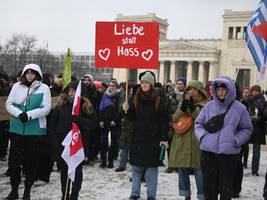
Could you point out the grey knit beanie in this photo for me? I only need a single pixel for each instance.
(148, 77)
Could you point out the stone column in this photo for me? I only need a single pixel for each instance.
(242, 32)
(234, 33)
(161, 72)
(189, 72)
(172, 71)
(201, 72)
(212, 71)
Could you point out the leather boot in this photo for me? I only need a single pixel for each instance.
(27, 191)
(14, 194)
(187, 198)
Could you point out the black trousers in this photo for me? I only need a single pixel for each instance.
(265, 188)
(24, 153)
(45, 161)
(76, 185)
(4, 137)
(238, 176)
(218, 175)
(113, 149)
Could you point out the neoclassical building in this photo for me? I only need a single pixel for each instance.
(202, 59)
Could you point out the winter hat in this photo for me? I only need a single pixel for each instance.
(144, 72)
(198, 85)
(114, 81)
(222, 85)
(183, 79)
(98, 84)
(88, 76)
(148, 77)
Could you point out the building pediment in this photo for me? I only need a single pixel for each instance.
(185, 46)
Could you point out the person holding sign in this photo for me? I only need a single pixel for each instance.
(148, 112)
(28, 102)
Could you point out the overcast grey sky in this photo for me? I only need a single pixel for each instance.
(71, 23)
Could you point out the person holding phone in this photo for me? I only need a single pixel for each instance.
(185, 151)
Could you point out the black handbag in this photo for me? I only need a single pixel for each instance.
(215, 123)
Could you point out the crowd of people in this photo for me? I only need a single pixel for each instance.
(206, 131)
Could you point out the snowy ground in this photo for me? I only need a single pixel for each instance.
(99, 184)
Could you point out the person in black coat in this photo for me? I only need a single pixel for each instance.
(257, 104)
(109, 121)
(148, 112)
(92, 139)
(62, 120)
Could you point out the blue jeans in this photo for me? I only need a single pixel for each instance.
(151, 178)
(124, 157)
(256, 158)
(184, 182)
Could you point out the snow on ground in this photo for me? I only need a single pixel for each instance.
(106, 184)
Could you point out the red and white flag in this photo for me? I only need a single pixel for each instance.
(73, 153)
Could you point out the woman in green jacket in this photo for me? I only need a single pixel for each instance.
(185, 151)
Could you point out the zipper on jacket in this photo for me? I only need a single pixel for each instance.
(26, 109)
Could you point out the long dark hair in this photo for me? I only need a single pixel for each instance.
(152, 95)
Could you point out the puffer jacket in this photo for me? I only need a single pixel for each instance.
(35, 100)
(237, 126)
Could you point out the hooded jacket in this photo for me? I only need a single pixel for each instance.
(35, 100)
(185, 151)
(237, 126)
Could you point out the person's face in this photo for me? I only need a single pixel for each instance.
(112, 87)
(30, 75)
(101, 89)
(71, 93)
(51, 80)
(180, 85)
(145, 86)
(245, 93)
(170, 90)
(194, 93)
(255, 92)
(87, 81)
(221, 92)
(10, 83)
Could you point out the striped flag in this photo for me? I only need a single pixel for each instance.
(73, 153)
(256, 37)
(67, 70)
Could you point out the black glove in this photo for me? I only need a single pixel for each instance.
(191, 104)
(23, 117)
(184, 105)
(74, 119)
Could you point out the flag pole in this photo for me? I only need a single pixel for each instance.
(66, 188)
(126, 87)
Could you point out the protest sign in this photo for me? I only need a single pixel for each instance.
(131, 45)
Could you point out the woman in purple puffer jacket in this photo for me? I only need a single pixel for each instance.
(220, 150)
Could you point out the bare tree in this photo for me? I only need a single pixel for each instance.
(14, 52)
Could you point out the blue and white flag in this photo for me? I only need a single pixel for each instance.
(256, 37)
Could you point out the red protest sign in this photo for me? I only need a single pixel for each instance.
(127, 45)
